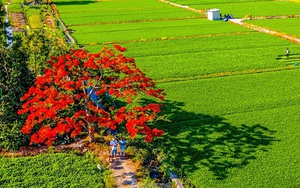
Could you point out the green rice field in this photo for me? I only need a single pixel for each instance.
(242, 8)
(232, 94)
(151, 30)
(287, 25)
(98, 12)
(50, 170)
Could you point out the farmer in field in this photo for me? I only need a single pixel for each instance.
(287, 52)
(114, 148)
(122, 143)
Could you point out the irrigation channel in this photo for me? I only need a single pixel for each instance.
(62, 26)
(8, 29)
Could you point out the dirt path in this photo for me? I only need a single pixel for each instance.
(124, 172)
(123, 169)
(202, 12)
(265, 30)
(247, 25)
(62, 24)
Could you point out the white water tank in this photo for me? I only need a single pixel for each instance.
(213, 14)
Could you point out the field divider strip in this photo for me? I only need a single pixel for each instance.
(225, 74)
(275, 17)
(171, 38)
(185, 7)
(265, 30)
(295, 1)
(64, 28)
(136, 21)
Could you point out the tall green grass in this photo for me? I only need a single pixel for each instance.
(33, 17)
(15, 8)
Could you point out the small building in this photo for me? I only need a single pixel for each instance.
(213, 14)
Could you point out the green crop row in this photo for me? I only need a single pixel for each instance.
(221, 125)
(169, 59)
(81, 18)
(288, 25)
(212, 2)
(249, 150)
(67, 6)
(33, 17)
(221, 96)
(50, 170)
(16, 2)
(15, 7)
(151, 30)
(264, 8)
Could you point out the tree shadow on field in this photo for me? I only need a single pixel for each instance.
(193, 141)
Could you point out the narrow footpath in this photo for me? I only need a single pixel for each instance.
(202, 12)
(124, 172)
(265, 30)
(123, 169)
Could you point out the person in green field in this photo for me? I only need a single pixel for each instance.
(287, 52)
(122, 143)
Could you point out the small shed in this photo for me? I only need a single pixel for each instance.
(213, 14)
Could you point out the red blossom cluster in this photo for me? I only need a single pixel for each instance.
(59, 103)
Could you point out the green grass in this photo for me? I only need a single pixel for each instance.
(17, 1)
(33, 17)
(14, 7)
(35, 22)
(50, 170)
(287, 25)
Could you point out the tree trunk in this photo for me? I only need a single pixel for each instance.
(92, 133)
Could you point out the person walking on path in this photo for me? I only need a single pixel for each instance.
(287, 53)
(122, 147)
(114, 148)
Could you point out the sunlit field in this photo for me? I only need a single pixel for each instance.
(232, 94)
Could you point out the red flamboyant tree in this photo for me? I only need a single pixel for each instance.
(61, 102)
